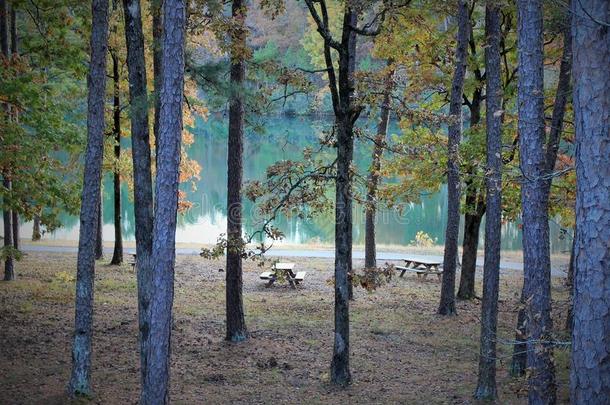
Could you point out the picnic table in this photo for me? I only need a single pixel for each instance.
(421, 267)
(283, 271)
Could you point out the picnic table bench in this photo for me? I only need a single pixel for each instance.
(283, 271)
(421, 267)
(133, 261)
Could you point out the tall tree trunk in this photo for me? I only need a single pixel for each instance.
(475, 202)
(486, 385)
(80, 381)
(447, 301)
(370, 248)
(236, 324)
(562, 95)
(590, 365)
(15, 225)
(4, 28)
(470, 245)
(570, 285)
(157, 19)
(534, 200)
(99, 241)
(14, 51)
(14, 40)
(156, 382)
(36, 234)
(142, 177)
(117, 255)
(9, 273)
(346, 117)
(518, 364)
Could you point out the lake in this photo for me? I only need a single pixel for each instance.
(283, 138)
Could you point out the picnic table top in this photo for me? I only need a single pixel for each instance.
(422, 261)
(283, 266)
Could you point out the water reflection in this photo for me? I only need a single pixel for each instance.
(284, 138)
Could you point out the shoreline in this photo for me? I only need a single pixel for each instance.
(511, 260)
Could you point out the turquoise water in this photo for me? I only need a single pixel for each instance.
(284, 138)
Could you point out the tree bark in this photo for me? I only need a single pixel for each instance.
(15, 225)
(447, 301)
(562, 95)
(14, 40)
(4, 28)
(569, 326)
(590, 365)
(99, 241)
(9, 270)
(470, 245)
(117, 255)
(534, 200)
(346, 114)
(474, 198)
(518, 364)
(486, 385)
(14, 51)
(156, 382)
(370, 248)
(142, 177)
(157, 15)
(340, 371)
(236, 324)
(9, 273)
(80, 380)
(36, 234)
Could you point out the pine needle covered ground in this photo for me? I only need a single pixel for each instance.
(402, 351)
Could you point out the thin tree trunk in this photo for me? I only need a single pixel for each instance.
(117, 255)
(99, 241)
(9, 273)
(562, 95)
(156, 382)
(4, 28)
(447, 301)
(157, 15)
(470, 246)
(346, 114)
(80, 380)
(569, 326)
(518, 364)
(475, 202)
(14, 40)
(236, 324)
(370, 248)
(14, 51)
(534, 200)
(486, 385)
(340, 371)
(143, 196)
(36, 234)
(15, 225)
(590, 365)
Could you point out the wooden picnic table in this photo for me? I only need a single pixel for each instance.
(283, 271)
(421, 267)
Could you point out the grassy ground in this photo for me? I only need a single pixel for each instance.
(401, 351)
